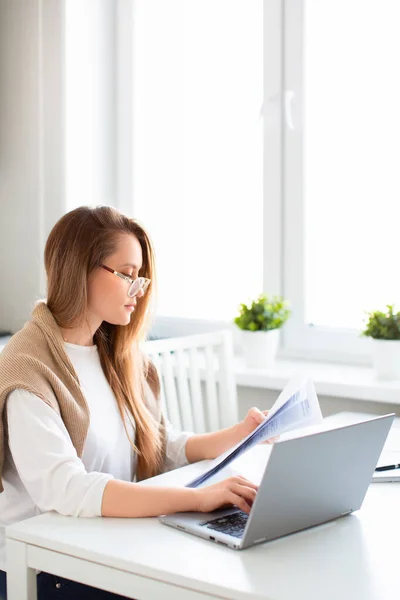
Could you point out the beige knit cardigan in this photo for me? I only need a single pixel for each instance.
(35, 360)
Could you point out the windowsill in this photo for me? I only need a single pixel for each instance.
(341, 381)
(344, 381)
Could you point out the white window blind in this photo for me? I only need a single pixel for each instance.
(198, 85)
(351, 185)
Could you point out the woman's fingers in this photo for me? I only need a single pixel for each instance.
(255, 416)
(238, 501)
(245, 492)
(271, 440)
(242, 493)
(235, 490)
(243, 481)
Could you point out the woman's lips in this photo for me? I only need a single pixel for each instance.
(130, 307)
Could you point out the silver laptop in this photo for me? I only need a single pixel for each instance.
(307, 481)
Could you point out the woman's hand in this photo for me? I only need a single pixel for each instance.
(236, 491)
(253, 419)
(203, 446)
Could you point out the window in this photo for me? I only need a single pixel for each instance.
(264, 153)
(198, 150)
(340, 169)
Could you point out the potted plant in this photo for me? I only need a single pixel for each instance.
(260, 322)
(384, 329)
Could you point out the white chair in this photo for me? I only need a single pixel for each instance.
(198, 388)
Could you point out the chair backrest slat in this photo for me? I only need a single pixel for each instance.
(196, 393)
(227, 382)
(171, 398)
(211, 390)
(183, 390)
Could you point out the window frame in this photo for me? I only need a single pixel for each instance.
(300, 339)
(165, 326)
(283, 214)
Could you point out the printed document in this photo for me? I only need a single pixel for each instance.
(297, 406)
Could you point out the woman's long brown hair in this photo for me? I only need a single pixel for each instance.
(78, 244)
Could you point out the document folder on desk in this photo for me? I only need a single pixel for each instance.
(387, 458)
(386, 476)
(390, 456)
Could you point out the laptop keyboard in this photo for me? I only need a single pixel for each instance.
(231, 524)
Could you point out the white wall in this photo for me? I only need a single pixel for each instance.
(264, 399)
(31, 157)
(33, 98)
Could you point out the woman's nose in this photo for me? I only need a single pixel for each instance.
(140, 293)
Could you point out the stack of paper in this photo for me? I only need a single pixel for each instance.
(390, 456)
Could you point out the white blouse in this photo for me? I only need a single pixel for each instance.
(42, 471)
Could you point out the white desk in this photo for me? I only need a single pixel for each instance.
(352, 558)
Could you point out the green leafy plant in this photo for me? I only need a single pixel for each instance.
(383, 325)
(263, 314)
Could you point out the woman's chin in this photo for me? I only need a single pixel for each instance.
(125, 321)
(122, 320)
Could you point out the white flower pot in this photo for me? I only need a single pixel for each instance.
(260, 348)
(386, 358)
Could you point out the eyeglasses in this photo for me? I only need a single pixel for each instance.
(140, 283)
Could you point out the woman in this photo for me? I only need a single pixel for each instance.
(79, 401)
